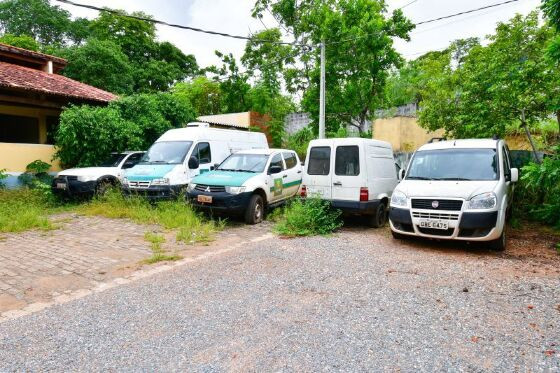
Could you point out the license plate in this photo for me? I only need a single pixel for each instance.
(60, 186)
(434, 224)
(204, 199)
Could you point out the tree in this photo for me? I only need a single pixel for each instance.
(22, 41)
(100, 63)
(49, 25)
(233, 84)
(359, 53)
(204, 94)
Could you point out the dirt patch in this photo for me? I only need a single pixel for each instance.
(9, 302)
(534, 242)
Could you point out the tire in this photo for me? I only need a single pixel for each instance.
(255, 211)
(500, 243)
(379, 218)
(397, 236)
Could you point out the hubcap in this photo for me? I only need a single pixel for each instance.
(258, 211)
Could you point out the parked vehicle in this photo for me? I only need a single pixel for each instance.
(248, 182)
(180, 154)
(356, 175)
(91, 180)
(459, 189)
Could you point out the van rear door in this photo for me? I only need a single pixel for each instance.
(318, 180)
(348, 176)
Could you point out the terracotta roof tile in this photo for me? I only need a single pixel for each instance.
(24, 78)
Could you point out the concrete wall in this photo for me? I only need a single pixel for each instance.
(404, 133)
(15, 157)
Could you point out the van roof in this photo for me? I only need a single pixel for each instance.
(462, 144)
(195, 133)
(351, 141)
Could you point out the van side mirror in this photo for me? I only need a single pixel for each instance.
(514, 175)
(274, 170)
(401, 173)
(193, 163)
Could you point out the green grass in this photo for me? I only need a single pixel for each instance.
(24, 209)
(174, 215)
(308, 217)
(158, 253)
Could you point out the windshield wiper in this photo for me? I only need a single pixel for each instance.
(455, 178)
(419, 178)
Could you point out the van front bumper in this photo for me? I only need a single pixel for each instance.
(155, 192)
(222, 202)
(73, 187)
(468, 226)
(356, 207)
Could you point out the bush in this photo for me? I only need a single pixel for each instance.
(299, 141)
(87, 135)
(539, 190)
(308, 217)
(3, 176)
(24, 209)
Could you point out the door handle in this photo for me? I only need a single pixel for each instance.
(285, 176)
(299, 172)
(337, 183)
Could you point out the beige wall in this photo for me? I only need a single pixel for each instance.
(15, 157)
(403, 133)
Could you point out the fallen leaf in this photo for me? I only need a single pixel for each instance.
(474, 339)
(530, 306)
(549, 352)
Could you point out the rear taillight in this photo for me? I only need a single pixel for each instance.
(364, 194)
(303, 191)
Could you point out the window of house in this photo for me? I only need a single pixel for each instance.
(290, 159)
(17, 129)
(347, 161)
(52, 126)
(319, 160)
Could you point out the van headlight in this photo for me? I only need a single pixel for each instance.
(161, 181)
(191, 187)
(86, 178)
(398, 199)
(235, 190)
(483, 201)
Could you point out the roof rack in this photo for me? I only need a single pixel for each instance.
(434, 139)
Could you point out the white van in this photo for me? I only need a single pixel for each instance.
(180, 154)
(356, 175)
(458, 189)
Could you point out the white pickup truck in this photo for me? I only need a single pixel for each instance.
(92, 180)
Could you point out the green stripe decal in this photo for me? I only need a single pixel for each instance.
(287, 185)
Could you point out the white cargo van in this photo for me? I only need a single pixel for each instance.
(356, 175)
(181, 154)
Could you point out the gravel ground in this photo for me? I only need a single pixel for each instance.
(355, 301)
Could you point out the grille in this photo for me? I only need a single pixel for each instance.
(436, 232)
(72, 178)
(435, 215)
(444, 204)
(213, 188)
(139, 184)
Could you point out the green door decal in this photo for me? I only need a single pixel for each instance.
(278, 187)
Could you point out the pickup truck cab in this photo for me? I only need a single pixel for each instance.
(92, 180)
(181, 154)
(247, 183)
(456, 190)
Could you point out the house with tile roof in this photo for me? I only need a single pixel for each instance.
(32, 95)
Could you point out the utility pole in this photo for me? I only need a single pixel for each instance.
(322, 94)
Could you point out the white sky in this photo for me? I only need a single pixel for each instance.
(234, 16)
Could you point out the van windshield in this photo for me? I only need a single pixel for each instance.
(167, 152)
(454, 164)
(244, 163)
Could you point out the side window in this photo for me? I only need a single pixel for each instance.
(319, 160)
(132, 160)
(202, 152)
(277, 161)
(505, 163)
(290, 159)
(347, 161)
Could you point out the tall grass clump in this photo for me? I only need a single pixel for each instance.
(176, 215)
(24, 209)
(309, 217)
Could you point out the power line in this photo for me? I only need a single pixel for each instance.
(433, 20)
(407, 4)
(196, 29)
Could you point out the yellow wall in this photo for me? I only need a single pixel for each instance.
(403, 133)
(15, 157)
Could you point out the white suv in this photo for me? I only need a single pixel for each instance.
(459, 189)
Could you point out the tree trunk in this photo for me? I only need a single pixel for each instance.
(524, 125)
(558, 120)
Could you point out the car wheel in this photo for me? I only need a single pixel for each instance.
(103, 187)
(379, 218)
(500, 243)
(255, 211)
